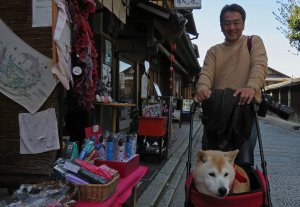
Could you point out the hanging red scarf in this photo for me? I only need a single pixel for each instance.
(84, 50)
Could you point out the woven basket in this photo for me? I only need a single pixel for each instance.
(98, 192)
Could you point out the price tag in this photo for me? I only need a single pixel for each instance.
(77, 70)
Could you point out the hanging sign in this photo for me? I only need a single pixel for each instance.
(157, 90)
(185, 115)
(41, 13)
(187, 4)
(186, 105)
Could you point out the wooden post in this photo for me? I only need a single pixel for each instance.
(54, 19)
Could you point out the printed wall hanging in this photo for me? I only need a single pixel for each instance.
(25, 74)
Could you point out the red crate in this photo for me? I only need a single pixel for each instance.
(152, 126)
(124, 168)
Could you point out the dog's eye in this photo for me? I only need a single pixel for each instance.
(226, 174)
(212, 174)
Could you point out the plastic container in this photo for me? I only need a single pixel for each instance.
(152, 126)
(124, 168)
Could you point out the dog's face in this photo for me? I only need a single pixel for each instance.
(214, 172)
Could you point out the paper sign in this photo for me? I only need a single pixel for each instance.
(157, 90)
(186, 105)
(41, 13)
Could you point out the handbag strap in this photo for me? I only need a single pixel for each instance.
(249, 43)
(249, 46)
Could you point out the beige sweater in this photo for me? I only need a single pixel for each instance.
(229, 65)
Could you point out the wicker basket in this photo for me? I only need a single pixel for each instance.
(98, 192)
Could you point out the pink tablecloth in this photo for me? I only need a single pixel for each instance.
(123, 191)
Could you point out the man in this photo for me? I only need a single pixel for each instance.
(232, 64)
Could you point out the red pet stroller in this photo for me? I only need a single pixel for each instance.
(259, 196)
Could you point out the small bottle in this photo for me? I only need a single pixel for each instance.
(128, 147)
(110, 148)
(121, 150)
(134, 140)
(102, 152)
(95, 153)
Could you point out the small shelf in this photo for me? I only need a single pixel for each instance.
(116, 104)
(152, 152)
(153, 156)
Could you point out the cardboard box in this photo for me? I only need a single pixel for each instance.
(124, 168)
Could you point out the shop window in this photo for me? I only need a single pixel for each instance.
(127, 91)
(126, 82)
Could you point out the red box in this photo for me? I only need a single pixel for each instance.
(124, 168)
(152, 126)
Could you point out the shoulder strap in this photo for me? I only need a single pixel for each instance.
(249, 43)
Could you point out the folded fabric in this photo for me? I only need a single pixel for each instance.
(226, 124)
(38, 132)
(75, 179)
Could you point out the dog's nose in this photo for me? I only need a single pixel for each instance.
(222, 191)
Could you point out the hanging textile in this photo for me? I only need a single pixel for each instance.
(25, 75)
(84, 54)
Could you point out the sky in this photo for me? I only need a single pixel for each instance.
(259, 21)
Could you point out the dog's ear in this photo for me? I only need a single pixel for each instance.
(201, 156)
(231, 155)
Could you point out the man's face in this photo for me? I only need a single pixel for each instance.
(232, 26)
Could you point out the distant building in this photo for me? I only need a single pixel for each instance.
(275, 77)
(287, 93)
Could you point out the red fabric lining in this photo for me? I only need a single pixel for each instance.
(239, 177)
(250, 199)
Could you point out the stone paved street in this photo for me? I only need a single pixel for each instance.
(281, 146)
(281, 143)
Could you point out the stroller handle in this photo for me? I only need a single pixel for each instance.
(193, 107)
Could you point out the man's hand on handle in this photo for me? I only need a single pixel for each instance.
(202, 95)
(246, 95)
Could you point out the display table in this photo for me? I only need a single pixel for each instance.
(126, 189)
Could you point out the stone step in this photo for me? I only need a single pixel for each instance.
(180, 173)
(153, 192)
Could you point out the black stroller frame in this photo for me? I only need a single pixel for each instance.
(263, 162)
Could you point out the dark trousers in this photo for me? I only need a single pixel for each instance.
(246, 151)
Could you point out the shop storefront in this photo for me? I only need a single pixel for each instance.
(106, 61)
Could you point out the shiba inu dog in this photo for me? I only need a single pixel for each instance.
(216, 175)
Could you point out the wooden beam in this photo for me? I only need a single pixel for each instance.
(54, 19)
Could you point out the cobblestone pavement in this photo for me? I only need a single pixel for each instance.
(281, 144)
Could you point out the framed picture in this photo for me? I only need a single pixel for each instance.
(108, 52)
(106, 75)
(104, 88)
